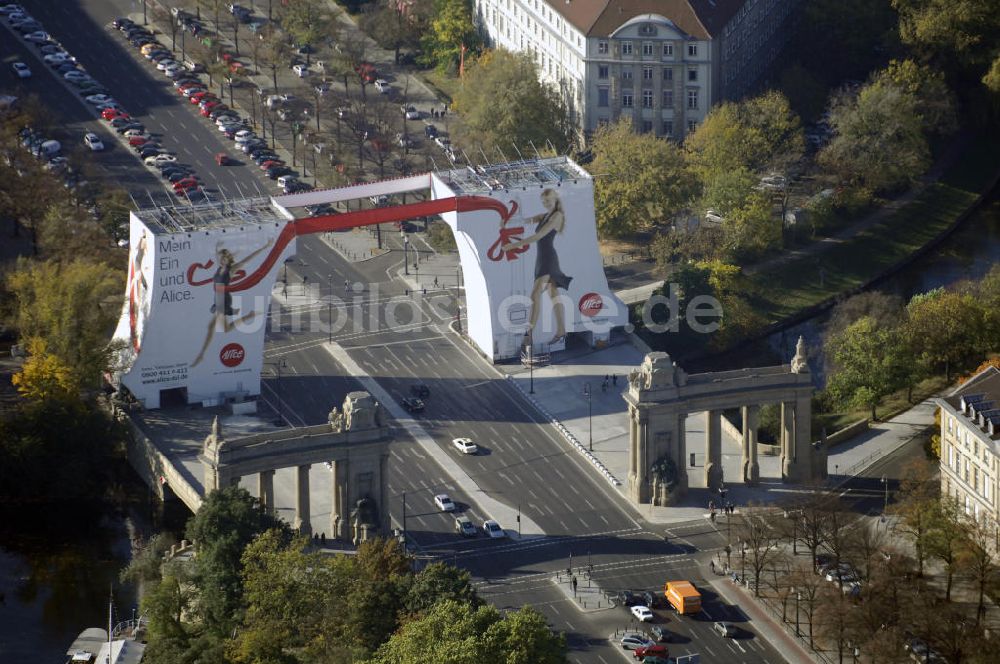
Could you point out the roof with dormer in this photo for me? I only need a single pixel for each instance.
(700, 19)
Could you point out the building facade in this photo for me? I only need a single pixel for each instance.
(662, 63)
(970, 446)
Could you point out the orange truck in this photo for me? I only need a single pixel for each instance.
(683, 596)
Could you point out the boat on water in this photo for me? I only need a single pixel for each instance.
(122, 644)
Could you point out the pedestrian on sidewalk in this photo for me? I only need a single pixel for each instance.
(347, 285)
(435, 282)
(711, 566)
(614, 379)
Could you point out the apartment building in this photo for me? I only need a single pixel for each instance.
(662, 63)
(970, 444)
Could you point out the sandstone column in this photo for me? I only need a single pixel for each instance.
(713, 450)
(751, 422)
(265, 490)
(787, 439)
(340, 513)
(302, 519)
(681, 460)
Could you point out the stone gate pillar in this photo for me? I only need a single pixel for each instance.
(713, 450)
(787, 440)
(751, 422)
(303, 521)
(340, 511)
(681, 460)
(639, 456)
(265, 490)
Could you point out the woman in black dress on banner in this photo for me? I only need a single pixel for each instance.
(548, 274)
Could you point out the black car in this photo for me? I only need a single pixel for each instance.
(276, 172)
(122, 23)
(131, 125)
(628, 598)
(413, 405)
(322, 208)
(430, 131)
(298, 186)
(260, 156)
(661, 633)
(177, 176)
(653, 600)
(182, 172)
(420, 390)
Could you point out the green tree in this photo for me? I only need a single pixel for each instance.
(750, 226)
(878, 137)
(935, 101)
(867, 364)
(960, 36)
(946, 539)
(396, 26)
(456, 633)
(642, 179)
(450, 29)
(944, 329)
(307, 22)
(503, 103)
(438, 582)
(227, 521)
(916, 506)
(71, 306)
(757, 134)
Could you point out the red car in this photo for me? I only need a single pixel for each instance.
(657, 650)
(190, 86)
(110, 114)
(367, 72)
(206, 109)
(136, 141)
(268, 164)
(198, 96)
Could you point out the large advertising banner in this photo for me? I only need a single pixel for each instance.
(533, 270)
(185, 322)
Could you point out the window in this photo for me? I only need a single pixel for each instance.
(668, 74)
(692, 125)
(647, 48)
(602, 122)
(602, 47)
(627, 99)
(647, 99)
(626, 48)
(975, 446)
(693, 50)
(602, 97)
(692, 99)
(668, 50)
(951, 455)
(692, 74)
(668, 99)
(647, 73)
(668, 127)
(647, 126)
(950, 420)
(627, 74)
(602, 71)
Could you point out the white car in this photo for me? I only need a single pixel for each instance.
(98, 99)
(493, 529)
(412, 114)
(22, 70)
(725, 629)
(159, 159)
(642, 613)
(465, 445)
(244, 135)
(56, 58)
(633, 641)
(444, 502)
(286, 180)
(93, 141)
(301, 71)
(442, 142)
(12, 9)
(713, 217)
(75, 74)
(38, 36)
(382, 85)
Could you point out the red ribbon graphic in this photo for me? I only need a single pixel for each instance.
(507, 236)
(236, 276)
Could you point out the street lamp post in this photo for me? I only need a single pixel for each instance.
(404, 516)
(885, 504)
(590, 414)
(458, 308)
(329, 312)
(798, 597)
(406, 254)
(531, 362)
(743, 562)
(519, 521)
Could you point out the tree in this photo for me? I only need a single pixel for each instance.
(945, 540)
(44, 376)
(944, 328)
(438, 582)
(916, 506)
(642, 179)
(885, 309)
(70, 306)
(978, 559)
(758, 134)
(451, 30)
(503, 104)
(928, 87)
(867, 364)
(878, 137)
(456, 633)
(227, 521)
(273, 53)
(759, 542)
(958, 35)
(307, 22)
(397, 25)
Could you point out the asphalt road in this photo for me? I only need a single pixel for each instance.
(523, 461)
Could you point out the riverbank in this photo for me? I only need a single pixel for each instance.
(797, 290)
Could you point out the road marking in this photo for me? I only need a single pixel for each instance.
(737, 644)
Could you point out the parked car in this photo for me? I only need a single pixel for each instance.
(657, 650)
(382, 85)
(465, 445)
(634, 640)
(21, 70)
(276, 172)
(300, 70)
(444, 502)
(493, 529)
